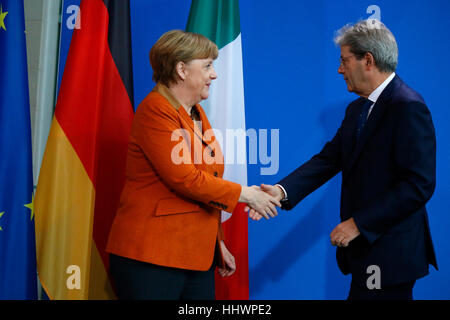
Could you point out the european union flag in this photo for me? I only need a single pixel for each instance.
(17, 238)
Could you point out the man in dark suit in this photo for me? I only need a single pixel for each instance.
(385, 149)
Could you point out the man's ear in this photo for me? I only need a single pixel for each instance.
(370, 60)
(181, 70)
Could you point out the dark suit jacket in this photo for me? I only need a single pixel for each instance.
(387, 178)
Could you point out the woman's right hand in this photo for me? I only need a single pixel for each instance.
(260, 201)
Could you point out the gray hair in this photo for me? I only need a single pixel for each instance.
(370, 36)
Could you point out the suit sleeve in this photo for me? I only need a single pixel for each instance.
(415, 164)
(154, 128)
(313, 173)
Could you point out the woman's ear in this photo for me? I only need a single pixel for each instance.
(181, 70)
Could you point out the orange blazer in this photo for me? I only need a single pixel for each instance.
(170, 207)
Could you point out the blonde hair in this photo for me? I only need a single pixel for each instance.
(175, 46)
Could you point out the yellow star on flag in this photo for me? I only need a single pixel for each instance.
(2, 18)
(31, 206)
(1, 214)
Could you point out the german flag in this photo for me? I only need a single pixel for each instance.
(83, 169)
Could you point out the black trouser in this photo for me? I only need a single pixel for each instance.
(137, 280)
(397, 292)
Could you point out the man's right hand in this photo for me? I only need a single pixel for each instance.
(261, 202)
(274, 191)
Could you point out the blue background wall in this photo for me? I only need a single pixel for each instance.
(291, 83)
(291, 44)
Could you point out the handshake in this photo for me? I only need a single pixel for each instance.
(261, 201)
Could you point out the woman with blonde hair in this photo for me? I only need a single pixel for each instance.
(166, 238)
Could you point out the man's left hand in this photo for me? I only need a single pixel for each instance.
(344, 233)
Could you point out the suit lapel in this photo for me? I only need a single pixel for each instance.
(198, 131)
(205, 125)
(373, 121)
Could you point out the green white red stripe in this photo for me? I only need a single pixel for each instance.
(219, 21)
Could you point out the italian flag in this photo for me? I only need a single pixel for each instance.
(83, 169)
(219, 21)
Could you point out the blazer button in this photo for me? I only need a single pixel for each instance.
(213, 154)
(216, 173)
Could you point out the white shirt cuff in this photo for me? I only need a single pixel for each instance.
(284, 191)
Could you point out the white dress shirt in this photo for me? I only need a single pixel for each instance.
(377, 92)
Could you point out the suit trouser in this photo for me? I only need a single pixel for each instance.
(396, 292)
(137, 280)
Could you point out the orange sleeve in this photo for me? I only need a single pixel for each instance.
(155, 122)
(220, 235)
